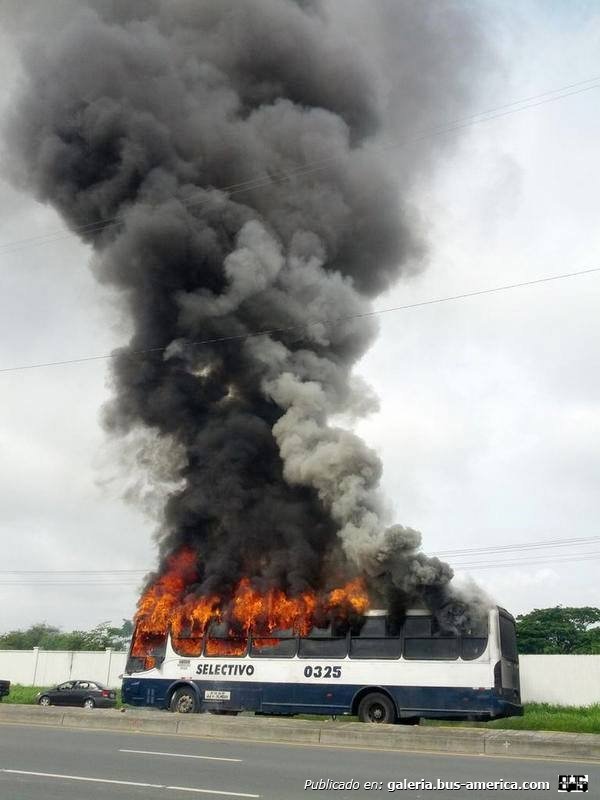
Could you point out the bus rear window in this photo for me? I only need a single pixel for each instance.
(508, 638)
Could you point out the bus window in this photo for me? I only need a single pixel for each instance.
(445, 648)
(423, 642)
(417, 626)
(474, 639)
(364, 647)
(472, 647)
(322, 643)
(508, 638)
(187, 645)
(276, 644)
(220, 642)
(373, 640)
(371, 627)
(147, 651)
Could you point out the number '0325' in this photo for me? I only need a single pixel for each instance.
(322, 672)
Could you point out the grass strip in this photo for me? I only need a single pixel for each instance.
(540, 717)
(537, 717)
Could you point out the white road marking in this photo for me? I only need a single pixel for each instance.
(80, 778)
(211, 791)
(180, 755)
(126, 783)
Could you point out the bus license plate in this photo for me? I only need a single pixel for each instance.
(214, 694)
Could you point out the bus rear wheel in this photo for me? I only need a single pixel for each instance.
(376, 707)
(184, 701)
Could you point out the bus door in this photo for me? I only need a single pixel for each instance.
(147, 653)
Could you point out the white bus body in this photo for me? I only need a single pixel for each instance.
(381, 678)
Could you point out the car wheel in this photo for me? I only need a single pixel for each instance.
(44, 700)
(89, 703)
(376, 707)
(184, 701)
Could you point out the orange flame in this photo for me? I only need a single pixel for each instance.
(168, 605)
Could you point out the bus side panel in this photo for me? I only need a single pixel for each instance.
(145, 691)
(324, 698)
(448, 702)
(321, 698)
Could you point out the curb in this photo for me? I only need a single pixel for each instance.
(460, 741)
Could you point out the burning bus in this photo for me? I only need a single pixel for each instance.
(236, 197)
(325, 653)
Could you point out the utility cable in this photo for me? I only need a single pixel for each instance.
(465, 553)
(261, 181)
(520, 546)
(303, 326)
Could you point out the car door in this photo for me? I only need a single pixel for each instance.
(80, 691)
(61, 696)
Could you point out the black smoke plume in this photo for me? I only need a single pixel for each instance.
(221, 158)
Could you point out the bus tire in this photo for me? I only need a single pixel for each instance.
(184, 701)
(376, 707)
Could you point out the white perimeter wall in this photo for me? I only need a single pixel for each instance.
(562, 680)
(48, 667)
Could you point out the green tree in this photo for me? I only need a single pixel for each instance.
(49, 637)
(32, 637)
(559, 630)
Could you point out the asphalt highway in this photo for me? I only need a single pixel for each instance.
(50, 763)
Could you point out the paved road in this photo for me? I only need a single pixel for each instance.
(104, 765)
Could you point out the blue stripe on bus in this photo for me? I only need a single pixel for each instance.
(319, 698)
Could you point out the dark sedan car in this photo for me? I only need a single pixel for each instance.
(88, 694)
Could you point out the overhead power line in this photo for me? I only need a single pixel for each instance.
(303, 326)
(73, 571)
(467, 567)
(130, 578)
(260, 181)
(521, 546)
(470, 551)
(541, 562)
(62, 584)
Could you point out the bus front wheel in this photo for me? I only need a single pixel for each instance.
(376, 707)
(184, 701)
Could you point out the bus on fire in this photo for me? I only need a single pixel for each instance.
(380, 669)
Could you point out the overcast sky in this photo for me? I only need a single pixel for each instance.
(489, 427)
